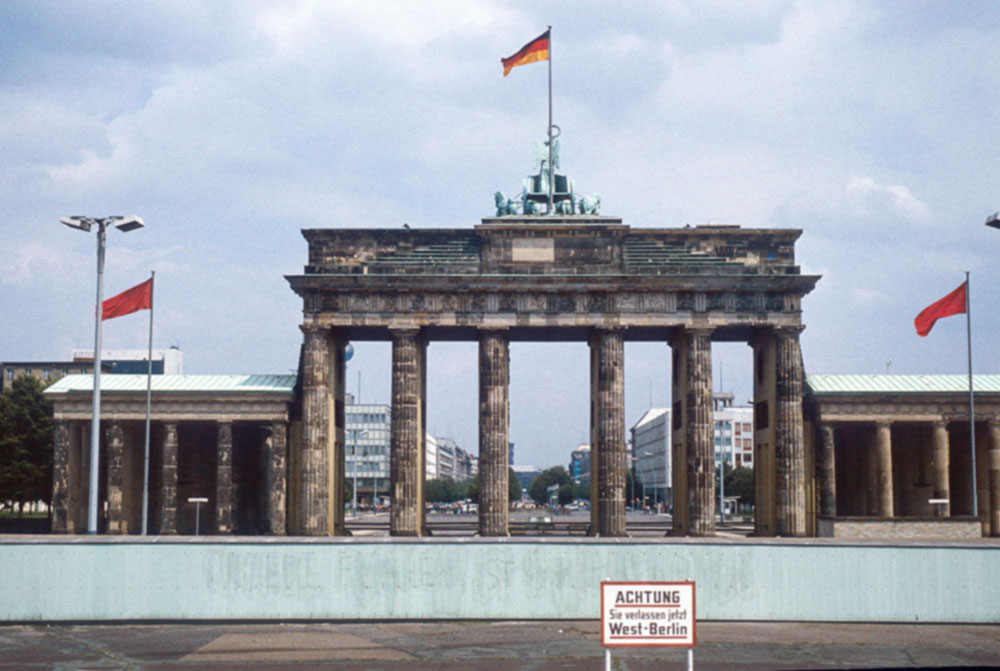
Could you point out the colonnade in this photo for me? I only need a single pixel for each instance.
(779, 434)
(123, 454)
(901, 476)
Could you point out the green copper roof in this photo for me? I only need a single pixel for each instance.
(230, 384)
(900, 384)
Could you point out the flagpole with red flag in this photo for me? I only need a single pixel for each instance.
(956, 303)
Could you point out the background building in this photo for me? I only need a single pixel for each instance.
(579, 463)
(366, 435)
(430, 457)
(168, 361)
(46, 371)
(733, 431)
(651, 456)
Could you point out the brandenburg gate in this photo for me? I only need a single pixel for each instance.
(559, 277)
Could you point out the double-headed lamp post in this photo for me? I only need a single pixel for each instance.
(124, 224)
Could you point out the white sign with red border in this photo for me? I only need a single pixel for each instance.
(647, 614)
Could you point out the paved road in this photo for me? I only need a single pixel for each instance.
(487, 646)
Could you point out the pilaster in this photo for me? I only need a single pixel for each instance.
(116, 454)
(407, 514)
(168, 492)
(610, 430)
(827, 472)
(277, 477)
(789, 444)
(494, 413)
(224, 479)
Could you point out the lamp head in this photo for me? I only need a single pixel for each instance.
(993, 220)
(81, 223)
(129, 223)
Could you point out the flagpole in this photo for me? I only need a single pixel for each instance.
(551, 182)
(149, 399)
(972, 407)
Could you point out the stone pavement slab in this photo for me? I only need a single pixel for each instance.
(487, 646)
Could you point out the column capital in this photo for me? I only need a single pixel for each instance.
(879, 423)
(313, 329)
(788, 329)
(993, 422)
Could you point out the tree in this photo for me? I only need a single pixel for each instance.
(513, 486)
(444, 490)
(26, 440)
(538, 489)
(348, 490)
(567, 492)
(740, 483)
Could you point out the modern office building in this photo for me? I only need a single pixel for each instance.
(733, 431)
(651, 456)
(579, 463)
(168, 361)
(367, 428)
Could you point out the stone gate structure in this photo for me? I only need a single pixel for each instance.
(566, 278)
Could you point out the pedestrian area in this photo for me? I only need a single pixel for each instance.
(488, 646)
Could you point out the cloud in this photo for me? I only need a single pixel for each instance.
(869, 199)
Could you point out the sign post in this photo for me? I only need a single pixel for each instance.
(648, 614)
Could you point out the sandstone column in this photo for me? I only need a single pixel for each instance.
(699, 434)
(942, 462)
(321, 503)
(224, 479)
(277, 455)
(168, 487)
(883, 431)
(406, 516)
(994, 478)
(609, 410)
(494, 380)
(61, 479)
(826, 465)
(789, 444)
(116, 454)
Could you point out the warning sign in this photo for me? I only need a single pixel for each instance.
(647, 614)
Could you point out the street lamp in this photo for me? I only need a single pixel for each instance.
(124, 224)
(993, 221)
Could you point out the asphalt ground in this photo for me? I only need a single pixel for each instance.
(487, 646)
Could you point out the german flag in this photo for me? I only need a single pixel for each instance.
(535, 50)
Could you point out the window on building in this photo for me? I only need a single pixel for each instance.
(45, 374)
(10, 374)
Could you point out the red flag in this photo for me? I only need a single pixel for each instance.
(532, 52)
(139, 297)
(952, 304)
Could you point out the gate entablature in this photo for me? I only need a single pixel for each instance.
(558, 277)
(552, 272)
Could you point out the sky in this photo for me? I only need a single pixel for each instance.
(229, 127)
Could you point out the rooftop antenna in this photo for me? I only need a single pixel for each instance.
(888, 365)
